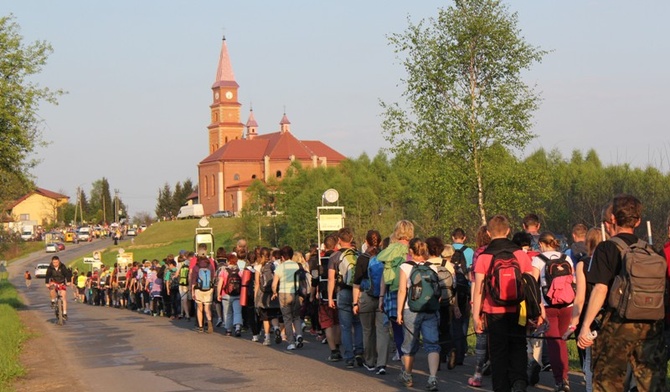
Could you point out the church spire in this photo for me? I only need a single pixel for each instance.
(285, 124)
(252, 126)
(224, 72)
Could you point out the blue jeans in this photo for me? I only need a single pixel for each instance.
(423, 325)
(350, 325)
(232, 311)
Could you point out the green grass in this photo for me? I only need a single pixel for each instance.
(164, 238)
(12, 336)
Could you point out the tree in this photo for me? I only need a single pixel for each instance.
(20, 125)
(464, 88)
(101, 205)
(164, 207)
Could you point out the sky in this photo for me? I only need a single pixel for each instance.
(139, 74)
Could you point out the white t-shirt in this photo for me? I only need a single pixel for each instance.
(540, 264)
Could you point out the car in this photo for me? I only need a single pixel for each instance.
(41, 270)
(222, 214)
(51, 247)
(84, 234)
(142, 228)
(131, 232)
(60, 245)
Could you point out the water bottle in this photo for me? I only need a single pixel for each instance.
(592, 335)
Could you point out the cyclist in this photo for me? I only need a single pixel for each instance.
(58, 276)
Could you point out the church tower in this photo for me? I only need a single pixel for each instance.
(225, 109)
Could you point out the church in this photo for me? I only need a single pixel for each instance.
(239, 154)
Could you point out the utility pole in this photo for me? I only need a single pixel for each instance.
(76, 207)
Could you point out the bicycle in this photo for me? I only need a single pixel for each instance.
(60, 317)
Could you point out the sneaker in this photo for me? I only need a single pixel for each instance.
(219, 323)
(451, 359)
(475, 381)
(65, 316)
(563, 386)
(299, 341)
(405, 379)
(359, 360)
(381, 370)
(519, 386)
(198, 329)
(432, 384)
(237, 333)
(546, 367)
(228, 333)
(53, 304)
(350, 364)
(396, 357)
(267, 342)
(303, 326)
(254, 338)
(322, 339)
(335, 357)
(290, 347)
(277, 336)
(210, 327)
(369, 368)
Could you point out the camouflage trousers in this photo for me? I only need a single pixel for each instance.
(620, 343)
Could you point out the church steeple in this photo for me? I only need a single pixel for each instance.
(252, 126)
(285, 124)
(225, 108)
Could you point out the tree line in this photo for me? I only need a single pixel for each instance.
(377, 192)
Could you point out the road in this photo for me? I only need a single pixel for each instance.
(109, 349)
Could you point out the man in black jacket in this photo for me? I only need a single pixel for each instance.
(58, 275)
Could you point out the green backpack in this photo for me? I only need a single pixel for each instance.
(346, 266)
(424, 289)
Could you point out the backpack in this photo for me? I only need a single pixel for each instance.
(375, 274)
(532, 297)
(346, 266)
(204, 282)
(462, 286)
(424, 292)
(183, 275)
(503, 280)
(560, 284)
(233, 285)
(458, 258)
(638, 291)
(266, 278)
(391, 272)
(447, 283)
(301, 282)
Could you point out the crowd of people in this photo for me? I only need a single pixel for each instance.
(525, 293)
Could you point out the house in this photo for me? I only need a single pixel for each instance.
(237, 158)
(40, 206)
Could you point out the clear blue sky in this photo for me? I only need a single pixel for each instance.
(139, 74)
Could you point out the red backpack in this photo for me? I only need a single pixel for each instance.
(560, 284)
(504, 281)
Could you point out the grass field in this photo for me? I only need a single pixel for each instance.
(163, 238)
(12, 336)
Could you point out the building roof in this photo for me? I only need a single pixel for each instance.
(40, 191)
(251, 122)
(224, 72)
(278, 146)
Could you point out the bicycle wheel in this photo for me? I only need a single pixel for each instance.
(59, 311)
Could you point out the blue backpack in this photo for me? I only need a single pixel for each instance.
(204, 279)
(374, 281)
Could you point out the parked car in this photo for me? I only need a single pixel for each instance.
(51, 248)
(131, 232)
(60, 245)
(84, 233)
(222, 214)
(41, 270)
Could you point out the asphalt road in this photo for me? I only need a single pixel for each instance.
(116, 349)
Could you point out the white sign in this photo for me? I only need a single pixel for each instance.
(89, 260)
(330, 222)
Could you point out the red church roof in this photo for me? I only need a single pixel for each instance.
(276, 145)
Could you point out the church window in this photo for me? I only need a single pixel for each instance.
(278, 174)
(213, 186)
(236, 177)
(206, 187)
(253, 176)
